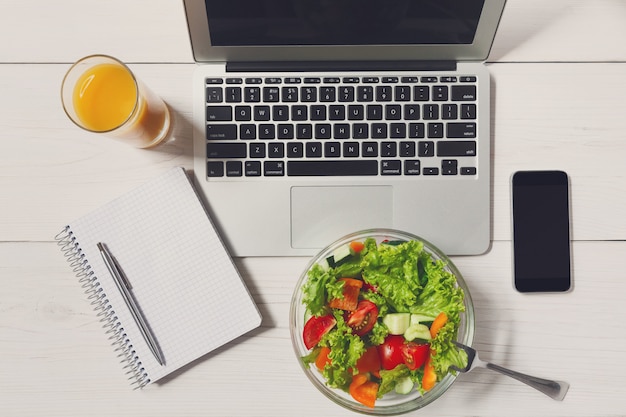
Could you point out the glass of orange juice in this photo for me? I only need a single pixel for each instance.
(102, 95)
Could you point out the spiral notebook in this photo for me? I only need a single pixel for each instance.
(183, 280)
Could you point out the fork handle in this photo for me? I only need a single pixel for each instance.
(553, 389)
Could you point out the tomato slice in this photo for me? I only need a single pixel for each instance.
(369, 362)
(351, 290)
(391, 351)
(356, 246)
(363, 319)
(315, 328)
(415, 354)
(363, 390)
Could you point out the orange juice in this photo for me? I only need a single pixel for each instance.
(101, 94)
(104, 97)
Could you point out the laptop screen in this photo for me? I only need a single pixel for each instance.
(342, 22)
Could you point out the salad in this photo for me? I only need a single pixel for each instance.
(382, 318)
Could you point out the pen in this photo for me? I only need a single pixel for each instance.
(124, 286)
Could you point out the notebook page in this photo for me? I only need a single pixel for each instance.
(182, 278)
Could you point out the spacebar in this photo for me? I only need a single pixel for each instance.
(331, 168)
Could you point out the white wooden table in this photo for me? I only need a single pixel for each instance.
(559, 102)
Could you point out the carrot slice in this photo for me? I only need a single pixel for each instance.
(430, 376)
(322, 358)
(356, 246)
(363, 390)
(350, 300)
(438, 323)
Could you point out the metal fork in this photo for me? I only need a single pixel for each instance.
(553, 389)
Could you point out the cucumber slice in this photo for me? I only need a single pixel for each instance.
(420, 318)
(341, 254)
(417, 331)
(397, 323)
(404, 385)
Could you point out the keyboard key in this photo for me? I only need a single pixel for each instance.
(214, 81)
(402, 93)
(397, 130)
(313, 150)
(464, 93)
(252, 94)
(337, 112)
(304, 131)
(295, 150)
(332, 149)
(233, 94)
(308, 94)
(407, 149)
(449, 111)
(254, 80)
(252, 168)
(393, 112)
(384, 93)
(215, 169)
(374, 112)
(425, 148)
(421, 93)
(468, 170)
(257, 150)
(221, 132)
(468, 111)
(365, 93)
(411, 111)
(379, 130)
(271, 94)
(440, 93)
(456, 148)
(393, 167)
(290, 94)
(461, 130)
(247, 131)
(299, 113)
(346, 93)
(234, 80)
(276, 150)
(214, 95)
(369, 149)
(219, 113)
(351, 149)
(215, 150)
(341, 131)
(435, 130)
(412, 167)
(416, 130)
(318, 112)
(262, 113)
(430, 171)
(360, 131)
(323, 131)
(243, 113)
(332, 168)
(234, 169)
(267, 131)
(328, 94)
(285, 131)
(280, 113)
(449, 167)
(430, 111)
(388, 149)
(356, 112)
(273, 168)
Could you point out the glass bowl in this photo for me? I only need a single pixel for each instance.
(391, 403)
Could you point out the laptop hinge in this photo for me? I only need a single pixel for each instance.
(325, 66)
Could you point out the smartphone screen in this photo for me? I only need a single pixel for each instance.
(541, 238)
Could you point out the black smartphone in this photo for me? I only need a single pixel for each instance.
(541, 232)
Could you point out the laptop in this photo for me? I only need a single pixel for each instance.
(313, 119)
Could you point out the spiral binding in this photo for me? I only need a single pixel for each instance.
(95, 294)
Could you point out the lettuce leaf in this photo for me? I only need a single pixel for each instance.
(393, 271)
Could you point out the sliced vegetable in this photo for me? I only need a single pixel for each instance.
(390, 352)
(315, 328)
(322, 358)
(341, 254)
(363, 390)
(350, 299)
(363, 319)
(438, 323)
(417, 331)
(404, 385)
(397, 323)
(421, 318)
(430, 376)
(415, 354)
(369, 362)
(356, 246)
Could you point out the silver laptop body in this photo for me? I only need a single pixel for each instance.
(267, 195)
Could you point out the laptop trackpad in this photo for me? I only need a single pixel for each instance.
(321, 215)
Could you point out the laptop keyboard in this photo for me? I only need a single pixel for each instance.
(341, 126)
